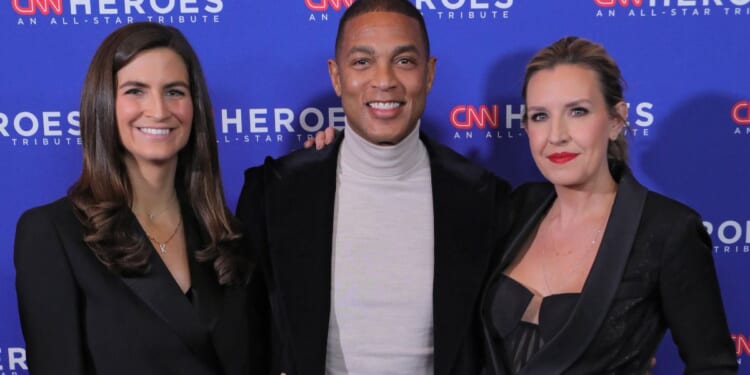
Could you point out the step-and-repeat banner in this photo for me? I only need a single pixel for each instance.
(686, 63)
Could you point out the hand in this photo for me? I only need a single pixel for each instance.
(321, 139)
(651, 364)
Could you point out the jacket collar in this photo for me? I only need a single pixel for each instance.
(300, 194)
(192, 322)
(599, 288)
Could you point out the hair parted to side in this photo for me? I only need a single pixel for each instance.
(404, 7)
(102, 195)
(574, 50)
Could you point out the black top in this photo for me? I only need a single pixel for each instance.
(292, 233)
(79, 318)
(524, 339)
(654, 271)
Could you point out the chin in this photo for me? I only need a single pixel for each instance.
(563, 179)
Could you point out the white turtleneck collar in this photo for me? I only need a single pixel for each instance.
(368, 159)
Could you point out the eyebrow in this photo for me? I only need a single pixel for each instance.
(141, 84)
(578, 102)
(572, 104)
(397, 51)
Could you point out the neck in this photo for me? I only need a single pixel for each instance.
(574, 204)
(392, 161)
(152, 184)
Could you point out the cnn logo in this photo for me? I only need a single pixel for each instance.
(623, 3)
(323, 5)
(740, 113)
(42, 6)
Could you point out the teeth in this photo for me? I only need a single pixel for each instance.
(155, 131)
(384, 105)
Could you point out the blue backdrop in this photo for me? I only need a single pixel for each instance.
(265, 60)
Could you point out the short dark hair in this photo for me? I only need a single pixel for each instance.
(404, 7)
(573, 50)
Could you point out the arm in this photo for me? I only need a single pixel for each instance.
(49, 301)
(251, 213)
(691, 299)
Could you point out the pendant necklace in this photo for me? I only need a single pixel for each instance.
(153, 215)
(163, 245)
(578, 263)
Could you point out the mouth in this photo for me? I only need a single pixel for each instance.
(384, 106)
(155, 131)
(561, 157)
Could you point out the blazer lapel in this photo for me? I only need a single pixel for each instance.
(461, 220)
(158, 290)
(600, 286)
(300, 193)
(526, 216)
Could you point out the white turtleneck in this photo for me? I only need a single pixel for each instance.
(383, 257)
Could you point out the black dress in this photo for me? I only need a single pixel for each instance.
(522, 339)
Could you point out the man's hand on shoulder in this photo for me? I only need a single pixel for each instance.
(322, 138)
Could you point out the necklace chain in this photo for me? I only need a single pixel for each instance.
(151, 215)
(163, 245)
(572, 271)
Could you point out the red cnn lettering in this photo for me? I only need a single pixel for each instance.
(737, 115)
(623, 3)
(41, 5)
(741, 344)
(464, 117)
(323, 5)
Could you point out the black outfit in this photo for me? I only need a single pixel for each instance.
(654, 270)
(523, 339)
(287, 206)
(78, 317)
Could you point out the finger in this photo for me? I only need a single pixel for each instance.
(309, 142)
(330, 134)
(320, 140)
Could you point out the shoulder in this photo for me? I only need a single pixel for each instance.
(458, 166)
(303, 160)
(667, 218)
(532, 193)
(661, 205)
(44, 228)
(59, 211)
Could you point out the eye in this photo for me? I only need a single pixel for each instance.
(405, 61)
(134, 91)
(579, 111)
(361, 62)
(176, 92)
(537, 116)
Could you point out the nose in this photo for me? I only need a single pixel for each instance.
(385, 78)
(558, 132)
(157, 108)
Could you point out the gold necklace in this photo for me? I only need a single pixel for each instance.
(152, 216)
(163, 245)
(579, 262)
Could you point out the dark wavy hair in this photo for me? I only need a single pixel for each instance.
(404, 7)
(102, 195)
(574, 50)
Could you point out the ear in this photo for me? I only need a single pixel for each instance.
(618, 122)
(333, 72)
(431, 63)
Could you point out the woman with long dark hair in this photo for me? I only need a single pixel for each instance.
(139, 269)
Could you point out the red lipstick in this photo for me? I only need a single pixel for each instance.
(562, 157)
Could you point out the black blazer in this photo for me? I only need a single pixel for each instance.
(287, 205)
(654, 271)
(79, 318)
